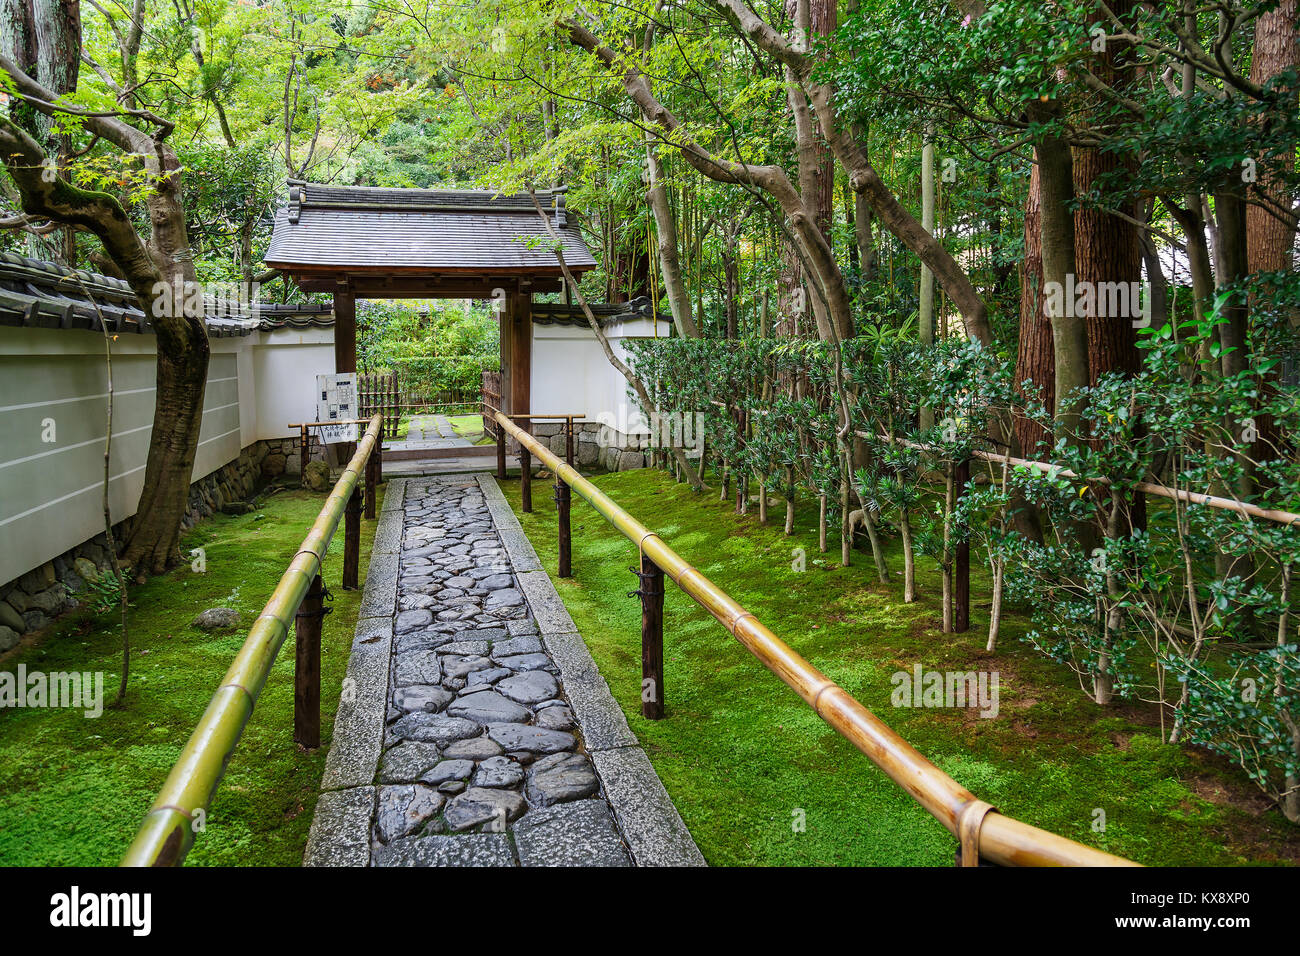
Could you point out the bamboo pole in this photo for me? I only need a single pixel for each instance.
(1191, 497)
(992, 836)
(167, 833)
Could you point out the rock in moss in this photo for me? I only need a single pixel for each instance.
(316, 476)
(86, 569)
(10, 618)
(217, 619)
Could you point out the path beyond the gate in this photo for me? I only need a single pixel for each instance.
(473, 728)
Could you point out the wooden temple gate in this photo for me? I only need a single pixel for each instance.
(375, 243)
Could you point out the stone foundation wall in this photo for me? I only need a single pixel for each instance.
(32, 601)
(282, 457)
(598, 446)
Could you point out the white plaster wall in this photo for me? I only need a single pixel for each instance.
(284, 365)
(50, 491)
(572, 374)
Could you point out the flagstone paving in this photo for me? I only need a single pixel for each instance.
(481, 759)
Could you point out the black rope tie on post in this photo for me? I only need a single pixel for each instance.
(644, 576)
(326, 597)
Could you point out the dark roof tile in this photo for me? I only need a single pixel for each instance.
(46, 295)
(429, 230)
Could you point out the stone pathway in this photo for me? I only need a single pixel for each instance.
(430, 432)
(491, 740)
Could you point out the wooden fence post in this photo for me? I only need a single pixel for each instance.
(390, 390)
(372, 482)
(568, 441)
(961, 569)
(304, 452)
(501, 452)
(562, 499)
(306, 668)
(651, 592)
(525, 479)
(352, 540)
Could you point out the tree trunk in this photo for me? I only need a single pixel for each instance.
(182, 365)
(1069, 332)
(789, 501)
(43, 37)
(679, 300)
(909, 557)
(731, 281)
(1270, 239)
(821, 523)
(1270, 220)
(1230, 211)
(949, 502)
(153, 544)
(1106, 246)
(1035, 361)
(1107, 250)
(995, 609)
(925, 310)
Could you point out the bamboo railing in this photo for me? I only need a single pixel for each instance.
(167, 833)
(982, 832)
(1243, 508)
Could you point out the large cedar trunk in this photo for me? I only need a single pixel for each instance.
(731, 280)
(1107, 248)
(44, 38)
(1034, 359)
(789, 292)
(1270, 238)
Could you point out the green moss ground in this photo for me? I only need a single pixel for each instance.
(470, 427)
(741, 754)
(73, 790)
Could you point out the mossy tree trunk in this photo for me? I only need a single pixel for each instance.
(158, 271)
